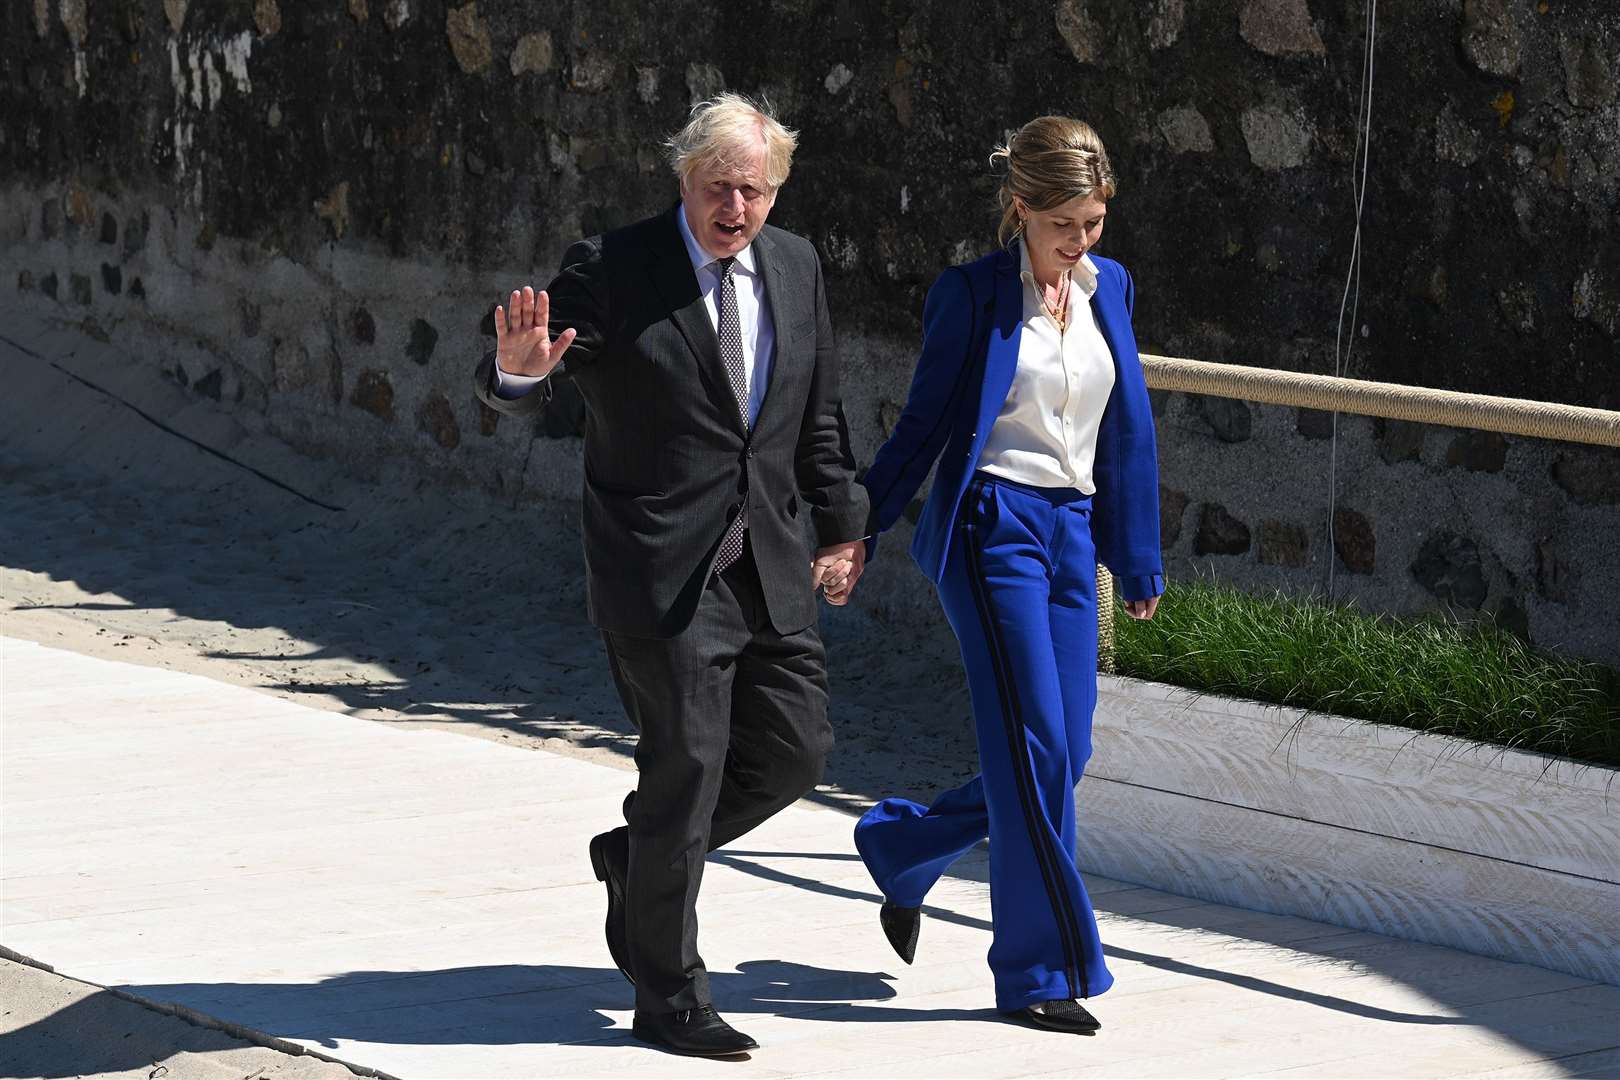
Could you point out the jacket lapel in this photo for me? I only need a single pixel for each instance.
(676, 282)
(1001, 358)
(779, 291)
(1108, 307)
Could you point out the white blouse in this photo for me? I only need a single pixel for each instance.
(1046, 432)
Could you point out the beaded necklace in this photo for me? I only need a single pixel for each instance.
(1060, 313)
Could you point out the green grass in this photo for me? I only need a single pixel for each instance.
(1432, 674)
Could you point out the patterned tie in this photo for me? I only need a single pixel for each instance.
(731, 351)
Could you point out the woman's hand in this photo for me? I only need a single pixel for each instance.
(1142, 609)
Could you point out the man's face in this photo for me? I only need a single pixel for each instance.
(726, 206)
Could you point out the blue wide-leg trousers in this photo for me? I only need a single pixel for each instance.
(1020, 590)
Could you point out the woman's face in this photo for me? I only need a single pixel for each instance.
(1059, 237)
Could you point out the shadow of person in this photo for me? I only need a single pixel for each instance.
(974, 868)
(484, 1005)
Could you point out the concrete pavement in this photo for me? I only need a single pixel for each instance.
(420, 904)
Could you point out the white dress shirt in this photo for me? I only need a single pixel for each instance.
(1046, 432)
(753, 317)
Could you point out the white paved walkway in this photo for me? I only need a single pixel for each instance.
(421, 904)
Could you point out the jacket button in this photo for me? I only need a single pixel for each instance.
(750, 451)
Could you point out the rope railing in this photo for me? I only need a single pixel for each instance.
(1390, 401)
(1506, 416)
(1105, 620)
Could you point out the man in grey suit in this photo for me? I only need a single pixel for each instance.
(719, 496)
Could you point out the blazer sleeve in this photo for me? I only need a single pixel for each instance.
(579, 297)
(943, 372)
(1129, 534)
(824, 465)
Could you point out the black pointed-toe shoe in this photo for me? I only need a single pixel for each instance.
(699, 1032)
(1064, 1014)
(613, 929)
(901, 925)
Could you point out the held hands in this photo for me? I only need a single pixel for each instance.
(523, 342)
(836, 569)
(1142, 609)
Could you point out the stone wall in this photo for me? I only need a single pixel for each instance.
(303, 211)
(1424, 517)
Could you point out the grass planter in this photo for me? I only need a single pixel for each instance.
(1427, 837)
(1412, 777)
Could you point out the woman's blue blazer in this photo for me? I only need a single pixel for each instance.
(971, 329)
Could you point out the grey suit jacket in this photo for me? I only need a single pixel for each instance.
(668, 461)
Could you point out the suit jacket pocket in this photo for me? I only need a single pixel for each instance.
(615, 491)
(974, 511)
(623, 488)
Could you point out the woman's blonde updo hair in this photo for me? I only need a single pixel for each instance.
(1049, 161)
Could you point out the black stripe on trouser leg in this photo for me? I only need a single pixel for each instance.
(1012, 721)
(1018, 747)
(1034, 817)
(1063, 902)
(1064, 894)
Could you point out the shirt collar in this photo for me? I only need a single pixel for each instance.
(1084, 275)
(700, 257)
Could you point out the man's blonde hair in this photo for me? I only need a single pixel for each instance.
(1049, 161)
(724, 127)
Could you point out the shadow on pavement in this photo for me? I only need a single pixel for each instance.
(975, 869)
(496, 1005)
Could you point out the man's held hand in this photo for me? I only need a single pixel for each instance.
(836, 569)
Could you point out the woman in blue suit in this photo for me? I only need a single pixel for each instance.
(1029, 393)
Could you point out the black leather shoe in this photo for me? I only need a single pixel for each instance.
(1063, 1014)
(902, 926)
(613, 929)
(699, 1032)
